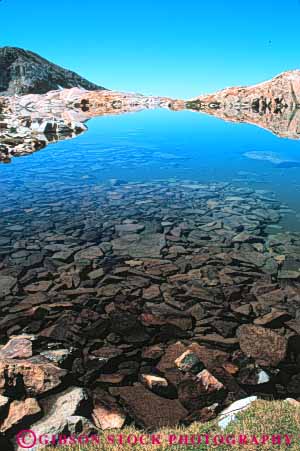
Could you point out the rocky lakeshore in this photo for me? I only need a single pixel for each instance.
(30, 122)
(273, 105)
(157, 303)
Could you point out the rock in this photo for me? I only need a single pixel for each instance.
(153, 352)
(111, 379)
(200, 391)
(294, 385)
(218, 340)
(210, 357)
(189, 362)
(202, 415)
(137, 246)
(16, 348)
(4, 403)
(129, 228)
(149, 410)
(7, 283)
(34, 377)
(42, 286)
(96, 274)
(228, 415)
(265, 346)
(60, 357)
(173, 352)
(106, 413)
(20, 413)
(151, 292)
(225, 328)
(78, 425)
(26, 72)
(245, 309)
(90, 253)
(158, 385)
(57, 411)
(273, 319)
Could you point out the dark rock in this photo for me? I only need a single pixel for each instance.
(24, 72)
(149, 410)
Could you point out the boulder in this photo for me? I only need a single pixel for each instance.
(106, 413)
(264, 345)
(150, 411)
(57, 412)
(32, 377)
(79, 425)
(16, 348)
(201, 391)
(20, 414)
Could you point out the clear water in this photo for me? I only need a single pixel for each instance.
(157, 144)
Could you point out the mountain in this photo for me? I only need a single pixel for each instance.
(282, 90)
(24, 72)
(273, 104)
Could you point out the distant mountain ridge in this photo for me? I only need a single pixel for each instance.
(25, 72)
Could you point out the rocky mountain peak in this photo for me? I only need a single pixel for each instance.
(24, 72)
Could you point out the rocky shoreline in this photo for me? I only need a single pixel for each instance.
(29, 123)
(273, 105)
(155, 304)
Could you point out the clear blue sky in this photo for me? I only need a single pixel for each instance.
(178, 48)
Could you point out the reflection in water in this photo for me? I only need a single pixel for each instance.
(147, 237)
(273, 105)
(31, 122)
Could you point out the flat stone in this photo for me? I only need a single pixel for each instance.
(218, 340)
(78, 425)
(33, 377)
(273, 319)
(201, 391)
(16, 348)
(153, 352)
(152, 292)
(7, 283)
(137, 246)
(63, 256)
(149, 410)
(129, 228)
(90, 253)
(42, 286)
(173, 352)
(111, 379)
(265, 346)
(106, 413)
(155, 383)
(96, 274)
(19, 412)
(57, 410)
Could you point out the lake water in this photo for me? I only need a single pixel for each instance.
(152, 228)
(159, 144)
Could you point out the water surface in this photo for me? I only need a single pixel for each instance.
(160, 144)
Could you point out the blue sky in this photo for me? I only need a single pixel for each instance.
(163, 47)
